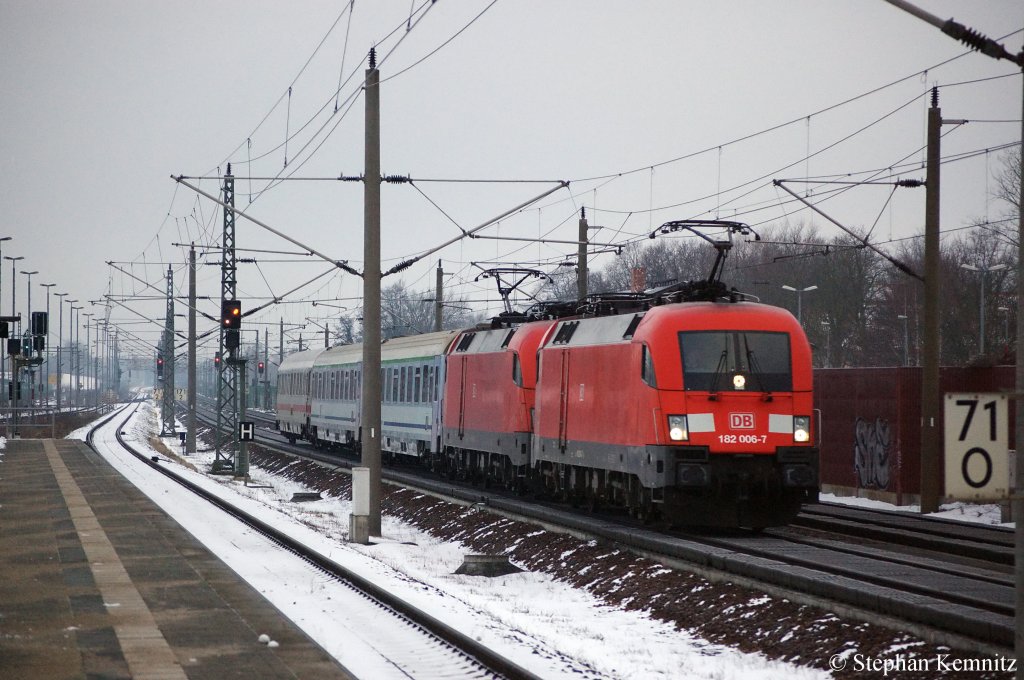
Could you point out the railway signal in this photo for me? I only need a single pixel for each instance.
(261, 367)
(159, 367)
(39, 323)
(231, 314)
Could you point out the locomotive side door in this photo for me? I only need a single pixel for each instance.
(563, 399)
(462, 397)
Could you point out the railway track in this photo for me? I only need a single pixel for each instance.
(415, 639)
(932, 578)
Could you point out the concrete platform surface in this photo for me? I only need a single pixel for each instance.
(97, 582)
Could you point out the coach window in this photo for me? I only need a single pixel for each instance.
(517, 370)
(647, 367)
(417, 386)
(401, 385)
(395, 378)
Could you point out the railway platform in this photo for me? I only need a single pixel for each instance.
(98, 582)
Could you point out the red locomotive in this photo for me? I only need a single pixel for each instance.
(700, 409)
(487, 424)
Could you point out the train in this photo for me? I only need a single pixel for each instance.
(698, 412)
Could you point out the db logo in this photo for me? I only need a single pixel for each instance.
(741, 421)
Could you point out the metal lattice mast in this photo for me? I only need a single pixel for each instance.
(225, 445)
(167, 410)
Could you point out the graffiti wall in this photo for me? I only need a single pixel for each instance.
(870, 426)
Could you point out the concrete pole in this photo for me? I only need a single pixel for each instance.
(581, 258)
(371, 296)
(190, 418)
(439, 298)
(266, 369)
(280, 342)
(931, 400)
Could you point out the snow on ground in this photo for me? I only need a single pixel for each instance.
(542, 624)
(964, 512)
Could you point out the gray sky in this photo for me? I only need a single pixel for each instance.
(103, 101)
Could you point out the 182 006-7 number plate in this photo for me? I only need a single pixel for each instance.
(742, 438)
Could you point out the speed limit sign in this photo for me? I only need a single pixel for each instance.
(977, 446)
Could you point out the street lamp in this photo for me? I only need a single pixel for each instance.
(28, 317)
(3, 372)
(78, 351)
(14, 304)
(60, 347)
(799, 294)
(5, 238)
(29, 313)
(88, 316)
(46, 389)
(983, 271)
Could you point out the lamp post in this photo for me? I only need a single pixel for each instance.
(78, 352)
(46, 384)
(799, 295)
(14, 304)
(981, 312)
(5, 238)
(28, 332)
(71, 343)
(88, 316)
(60, 347)
(3, 371)
(28, 314)
(906, 342)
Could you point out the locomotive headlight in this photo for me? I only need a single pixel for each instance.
(739, 382)
(801, 428)
(677, 430)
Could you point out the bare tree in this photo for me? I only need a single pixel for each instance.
(405, 312)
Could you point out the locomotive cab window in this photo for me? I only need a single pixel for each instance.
(728, 361)
(647, 366)
(517, 370)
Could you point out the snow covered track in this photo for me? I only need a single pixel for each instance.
(928, 593)
(410, 642)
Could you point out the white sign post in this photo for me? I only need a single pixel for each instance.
(977, 446)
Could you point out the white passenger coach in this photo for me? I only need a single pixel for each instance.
(412, 379)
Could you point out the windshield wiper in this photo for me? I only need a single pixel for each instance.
(719, 370)
(755, 370)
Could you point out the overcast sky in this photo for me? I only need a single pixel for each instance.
(103, 101)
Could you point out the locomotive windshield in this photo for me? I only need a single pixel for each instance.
(717, 361)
